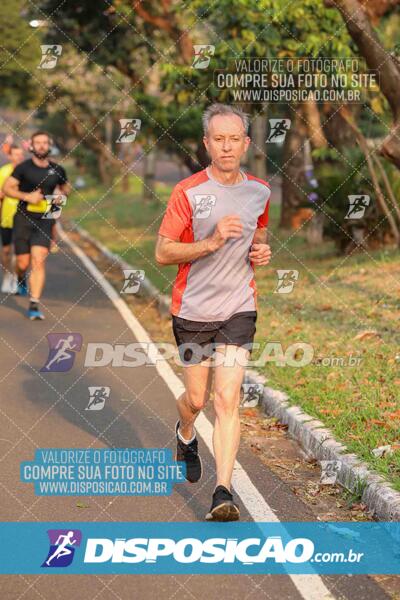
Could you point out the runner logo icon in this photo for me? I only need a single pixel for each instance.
(202, 55)
(62, 547)
(204, 204)
(50, 55)
(62, 348)
(129, 130)
(133, 279)
(252, 394)
(357, 205)
(97, 397)
(329, 471)
(286, 280)
(278, 130)
(55, 202)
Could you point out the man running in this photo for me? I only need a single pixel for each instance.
(8, 210)
(30, 182)
(214, 295)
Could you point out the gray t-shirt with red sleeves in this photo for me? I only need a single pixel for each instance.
(221, 284)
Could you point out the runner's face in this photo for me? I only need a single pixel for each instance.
(41, 146)
(17, 156)
(226, 142)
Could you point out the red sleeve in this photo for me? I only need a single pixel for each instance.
(263, 219)
(178, 215)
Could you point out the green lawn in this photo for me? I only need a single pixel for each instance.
(335, 301)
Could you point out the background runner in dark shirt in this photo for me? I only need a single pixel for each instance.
(33, 183)
(31, 178)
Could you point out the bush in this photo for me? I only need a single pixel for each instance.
(339, 177)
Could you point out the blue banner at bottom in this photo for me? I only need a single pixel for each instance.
(200, 548)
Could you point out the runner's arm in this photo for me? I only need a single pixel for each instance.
(65, 188)
(173, 252)
(11, 189)
(169, 252)
(260, 251)
(63, 184)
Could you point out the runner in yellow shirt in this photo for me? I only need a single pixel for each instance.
(8, 210)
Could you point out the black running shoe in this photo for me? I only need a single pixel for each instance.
(223, 507)
(188, 453)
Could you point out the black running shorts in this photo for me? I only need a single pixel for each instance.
(30, 231)
(196, 340)
(6, 236)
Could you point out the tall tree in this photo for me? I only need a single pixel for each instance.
(355, 15)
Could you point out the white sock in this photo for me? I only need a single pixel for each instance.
(183, 439)
(13, 283)
(6, 282)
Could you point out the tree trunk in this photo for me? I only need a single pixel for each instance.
(388, 186)
(337, 133)
(126, 155)
(293, 172)
(107, 164)
(201, 161)
(315, 229)
(374, 178)
(316, 139)
(149, 163)
(313, 123)
(108, 129)
(103, 171)
(377, 58)
(257, 154)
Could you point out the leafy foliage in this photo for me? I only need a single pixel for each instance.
(19, 55)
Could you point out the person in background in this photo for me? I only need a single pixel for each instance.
(32, 182)
(8, 208)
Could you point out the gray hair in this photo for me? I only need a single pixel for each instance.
(224, 109)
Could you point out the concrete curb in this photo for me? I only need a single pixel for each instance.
(317, 441)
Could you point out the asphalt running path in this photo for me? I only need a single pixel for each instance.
(48, 410)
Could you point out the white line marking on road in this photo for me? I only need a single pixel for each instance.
(311, 587)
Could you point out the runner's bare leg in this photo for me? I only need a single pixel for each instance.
(226, 436)
(22, 264)
(197, 379)
(37, 275)
(6, 255)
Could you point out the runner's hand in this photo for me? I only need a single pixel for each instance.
(260, 254)
(34, 197)
(57, 200)
(228, 227)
